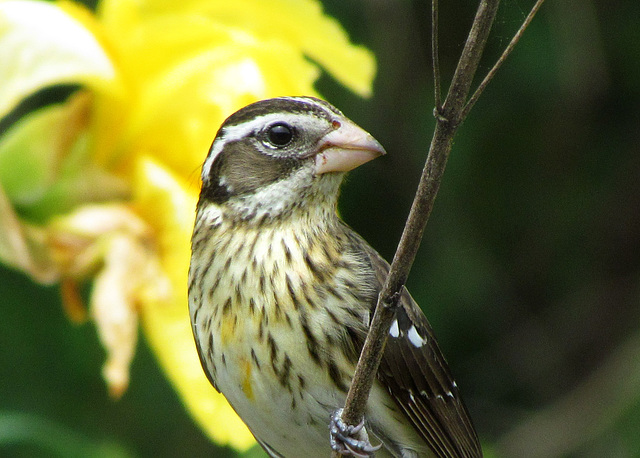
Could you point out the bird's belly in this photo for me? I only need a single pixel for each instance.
(278, 334)
(278, 390)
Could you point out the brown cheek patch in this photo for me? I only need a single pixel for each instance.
(241, 169)
(245, 169)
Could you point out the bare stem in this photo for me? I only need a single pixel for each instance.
(446, 125)
(449, 116)
(514, 41)
(435, 54)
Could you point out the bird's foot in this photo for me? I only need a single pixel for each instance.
(345, 441)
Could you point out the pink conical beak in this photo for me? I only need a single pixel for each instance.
(345, 148)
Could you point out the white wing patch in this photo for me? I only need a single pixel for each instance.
(416, 339)
(394, 331)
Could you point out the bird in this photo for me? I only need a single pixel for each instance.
(282, 291)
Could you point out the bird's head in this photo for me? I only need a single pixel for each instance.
(278, 155)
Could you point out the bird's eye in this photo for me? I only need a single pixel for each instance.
(280, 134)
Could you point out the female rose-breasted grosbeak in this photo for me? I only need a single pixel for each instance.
(281, 292)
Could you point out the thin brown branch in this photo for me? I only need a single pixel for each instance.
(446, 125)
(435, 54)
(505, 54)
(468, 63)
(449, 116)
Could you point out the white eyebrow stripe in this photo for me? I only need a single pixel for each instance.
(238, 131)
(230, 133)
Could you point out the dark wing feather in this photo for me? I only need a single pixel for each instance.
(417, 376)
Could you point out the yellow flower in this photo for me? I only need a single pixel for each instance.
(103, 186)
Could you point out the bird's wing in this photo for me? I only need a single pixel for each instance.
(417, 376)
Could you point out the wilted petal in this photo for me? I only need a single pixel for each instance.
(42, 45)
(113, 307)
(94, 220)
(112, 243)
(24, 247)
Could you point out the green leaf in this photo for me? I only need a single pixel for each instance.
(29, 156)
(45, 166)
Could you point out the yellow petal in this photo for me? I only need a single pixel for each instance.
(298, 23)
(42, 45)
(167, 203)
(180, 110)
(301, 23)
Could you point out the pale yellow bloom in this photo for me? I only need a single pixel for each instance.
(103, 186)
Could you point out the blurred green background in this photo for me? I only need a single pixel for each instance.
(529, 270)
